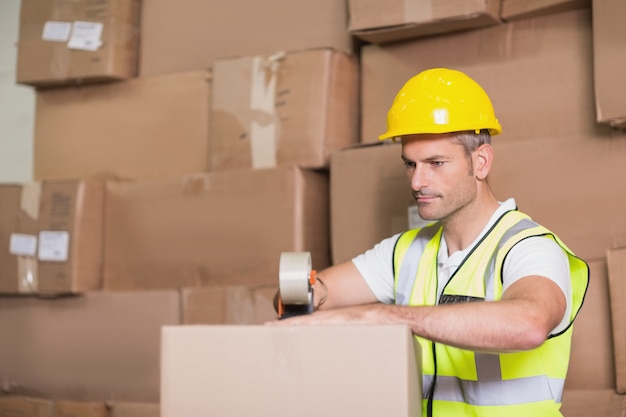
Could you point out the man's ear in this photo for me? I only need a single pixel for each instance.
(483, 157)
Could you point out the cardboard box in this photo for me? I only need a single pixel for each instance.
(129, 409)
(225, 228)
(80, 41)
(600, 403)
(64, 408)
(524, 9)
(192, 34)
(309, 371)
(221, 304)
(287, 109)
(592, 337)
(56, 243)
(10, 195)
(370, 181)
(97, 347)
(548, 182)
(384, 21)
(609, 56)
(20, 406)
(616, 259)
(149, 127)
(538, 87)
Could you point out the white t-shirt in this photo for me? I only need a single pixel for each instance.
(532, 256)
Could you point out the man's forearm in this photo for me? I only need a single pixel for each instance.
(522, 320)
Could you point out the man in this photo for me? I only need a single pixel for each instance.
(489, 294)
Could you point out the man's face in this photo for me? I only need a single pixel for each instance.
(441, 175)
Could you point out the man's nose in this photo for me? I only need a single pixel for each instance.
(418, 178)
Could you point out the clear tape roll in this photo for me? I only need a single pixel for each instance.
(293, 276)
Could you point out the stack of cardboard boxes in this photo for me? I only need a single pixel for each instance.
(180, 147)
(178, 150)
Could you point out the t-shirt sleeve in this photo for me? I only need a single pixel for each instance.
(540, 256)
(376, 267)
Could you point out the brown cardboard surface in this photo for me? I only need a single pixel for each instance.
(616, 259)
(538, 87)
(149, 127)
(225, 228)
(97, 347)
(384, 21)
(191, 34)
(64, 408)
(289, 371)
(592, 365)
(287, 109)
(76, 207)
(524, 9)
(44, 62)
(559, 181)
(129, 409)
(19, 406)
(596, 403)
(609, 56)
(217, 304)
(369, 181)
(65, 220)
(9, 206)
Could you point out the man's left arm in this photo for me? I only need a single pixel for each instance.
(521, 320)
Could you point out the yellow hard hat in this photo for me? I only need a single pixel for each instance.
(440, 100)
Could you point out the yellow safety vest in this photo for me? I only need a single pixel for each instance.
(458, 382)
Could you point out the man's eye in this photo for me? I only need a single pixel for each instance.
(409, 164)
(436, 163)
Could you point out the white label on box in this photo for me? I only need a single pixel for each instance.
(54, 245)
(23, 245)
(56, 31)
(415, 221)
(86, 36)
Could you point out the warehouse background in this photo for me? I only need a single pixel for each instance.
(164, 197)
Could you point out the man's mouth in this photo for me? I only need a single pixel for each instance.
(425, 199)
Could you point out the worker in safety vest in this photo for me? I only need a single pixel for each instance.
(489, 294)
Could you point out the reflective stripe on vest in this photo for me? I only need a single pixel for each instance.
(524, 381)
(515, 391)
(409, 266)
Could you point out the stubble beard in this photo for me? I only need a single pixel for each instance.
(443, 208)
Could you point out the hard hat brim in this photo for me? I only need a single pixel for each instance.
(493, 131)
